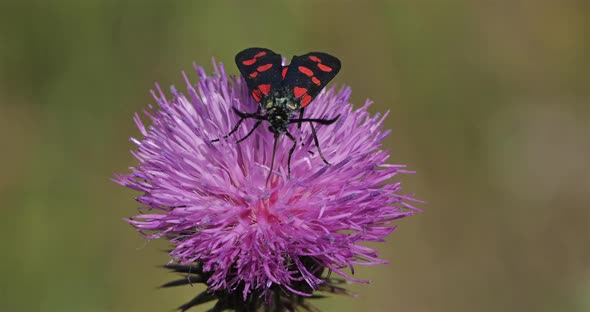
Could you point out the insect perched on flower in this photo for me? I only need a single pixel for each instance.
(255, 245)
(282, 91)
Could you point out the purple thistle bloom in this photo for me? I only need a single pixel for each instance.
(213, 203)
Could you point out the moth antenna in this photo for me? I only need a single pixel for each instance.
(272, 161)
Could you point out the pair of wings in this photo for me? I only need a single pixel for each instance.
(305, 76)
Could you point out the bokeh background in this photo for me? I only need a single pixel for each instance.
(489, 103)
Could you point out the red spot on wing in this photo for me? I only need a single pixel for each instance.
(284, 72)
(316, 81)
(256, 95)
(325, 68)
(298, 91)
(260, 54)
(306, 71)
(253, 60)
(253, 75)
(315, 58)
(264, 88)
(264, 67)
(306, 100)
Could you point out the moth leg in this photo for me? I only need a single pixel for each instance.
(232, 131)
(318, 120)
(248, 115)
(290, 136)
(258, 122)
(317, 143)
(242, 117)
(300, 117)
(313, 131)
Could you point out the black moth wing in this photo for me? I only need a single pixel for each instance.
(308, 74)
(262, 70)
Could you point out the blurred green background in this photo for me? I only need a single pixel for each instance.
(489, 104)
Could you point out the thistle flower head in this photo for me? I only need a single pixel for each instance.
(212, 200)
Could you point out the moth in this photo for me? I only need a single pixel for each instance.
(283, 92)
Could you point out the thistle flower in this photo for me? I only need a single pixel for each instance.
(258, 245)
